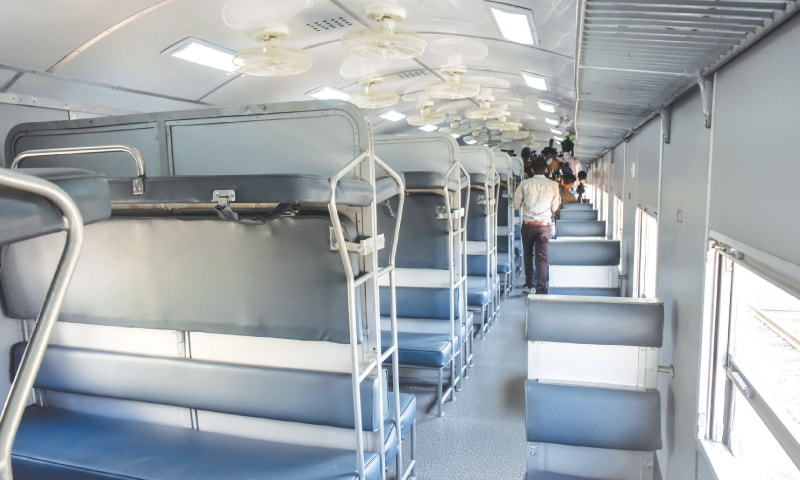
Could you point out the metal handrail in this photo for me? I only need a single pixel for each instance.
(138, 182)
(11, 415)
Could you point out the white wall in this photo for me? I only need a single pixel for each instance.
(681, 259)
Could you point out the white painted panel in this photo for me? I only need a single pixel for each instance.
(418, 277)
(647, 165)
(583, 276)
(755, 162)
(606, 365)
(274, 352)
(165, 343)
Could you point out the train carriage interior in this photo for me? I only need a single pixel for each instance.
(262, 239)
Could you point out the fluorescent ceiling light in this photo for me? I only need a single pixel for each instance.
(471, 141)
(560, 139)
(455, 135)
(392, 116)
(551, 121)
(204, 53)
(326, 92)
(515, 23)
(534, 80)
(557, 131)
(429, 128)
(546, 106)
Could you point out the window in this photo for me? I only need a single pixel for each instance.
(646, 254)
(753, 403)
(617, 218)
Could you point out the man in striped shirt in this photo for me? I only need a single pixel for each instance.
(539, 198)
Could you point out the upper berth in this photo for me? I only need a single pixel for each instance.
(25, 214)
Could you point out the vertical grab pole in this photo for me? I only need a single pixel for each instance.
(22, 385)
(401, 474)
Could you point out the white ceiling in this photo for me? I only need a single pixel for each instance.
(105, 57)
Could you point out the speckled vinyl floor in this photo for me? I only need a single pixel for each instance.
(482, 433)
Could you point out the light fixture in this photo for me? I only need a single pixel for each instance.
(551, 121)
(534, 80)
(455, 135)
(470, 141)
(429, 128)
(558, 139)
(557, 131)
(326, 92)
(204, 53)
(392, 116)
(515, 23)
(546, 106)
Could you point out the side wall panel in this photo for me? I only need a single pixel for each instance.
(681, 257)
(755, 147)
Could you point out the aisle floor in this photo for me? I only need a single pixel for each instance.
(482, 433)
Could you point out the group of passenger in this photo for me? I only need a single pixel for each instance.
(547, 186)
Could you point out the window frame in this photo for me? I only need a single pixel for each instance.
(721, 379)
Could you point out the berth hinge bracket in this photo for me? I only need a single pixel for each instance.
(223, 198)
(666, 124)
(443, 214)
(138, 186)
(365, 246)
(706, 87)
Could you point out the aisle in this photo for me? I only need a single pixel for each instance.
(482, 434)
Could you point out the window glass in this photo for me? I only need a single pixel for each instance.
(765, 327)
(754, 374)
(646, 253)
(752, 443)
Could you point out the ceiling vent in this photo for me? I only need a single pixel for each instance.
(329, 24)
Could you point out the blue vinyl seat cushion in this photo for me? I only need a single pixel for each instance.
(54, 443)
(421, 349)
(408, 411)
(541, 475)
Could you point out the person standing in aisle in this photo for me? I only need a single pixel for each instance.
(539, 198)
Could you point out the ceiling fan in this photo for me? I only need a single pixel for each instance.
(383, 40)
(426, 115)
(271, 58)
(372, 97)
(455, 127)
(485, 111)
(453, 88)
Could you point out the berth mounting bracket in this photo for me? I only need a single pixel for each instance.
(442, 213)
(666, 124)
(667, 369)
(706, 87)
(363, 247)
(481, 199)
